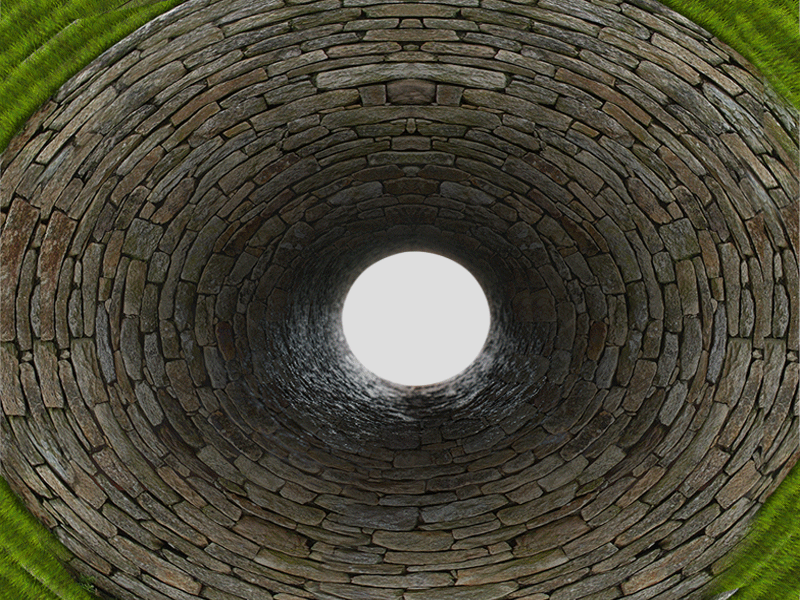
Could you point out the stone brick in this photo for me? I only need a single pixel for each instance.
(44, 356)
(539, 506)
(462, 509)
(17, 230)
(492, 591)
(410, 91)
(298, 567)
(413, 541)
(739, 485)
(550, 536)
(13, 401)
(512, 569)
(663, 568)
(680, 239)
(607, 273)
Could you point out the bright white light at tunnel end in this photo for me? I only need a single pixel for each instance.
(416, 318)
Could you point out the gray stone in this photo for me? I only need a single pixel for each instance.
(141, 240)
(691, 345)
(414, 541)
(462, 509)
(607, 274)
(680, 239)
(530, 510)
(512, 569)
(131, 347)
(492, 591)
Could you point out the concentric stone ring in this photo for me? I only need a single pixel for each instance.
(183, 219)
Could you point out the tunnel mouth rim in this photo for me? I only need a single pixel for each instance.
(373, 303)
(314, 348)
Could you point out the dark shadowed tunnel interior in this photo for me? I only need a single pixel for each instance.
(183, 220)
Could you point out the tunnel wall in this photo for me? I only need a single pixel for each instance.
(181, 223)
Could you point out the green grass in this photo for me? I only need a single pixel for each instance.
(766, 32)
(30, 557)
(767, 566)
(44, 42)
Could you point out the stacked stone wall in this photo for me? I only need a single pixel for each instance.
(182, 221)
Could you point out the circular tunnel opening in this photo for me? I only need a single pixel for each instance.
(416, 318)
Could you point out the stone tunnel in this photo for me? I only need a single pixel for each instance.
(183, 219)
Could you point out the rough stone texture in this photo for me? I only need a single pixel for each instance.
(181, 225)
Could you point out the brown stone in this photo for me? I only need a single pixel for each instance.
(54, 247)
(13, 401)
(44, 356)
(17, 230)
(738, 485)
(410, 91)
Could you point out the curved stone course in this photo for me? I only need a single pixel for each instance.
(182, 221)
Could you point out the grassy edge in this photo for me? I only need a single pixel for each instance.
(32, 557)
(774, 537)
(43, 72)
(767, 34)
